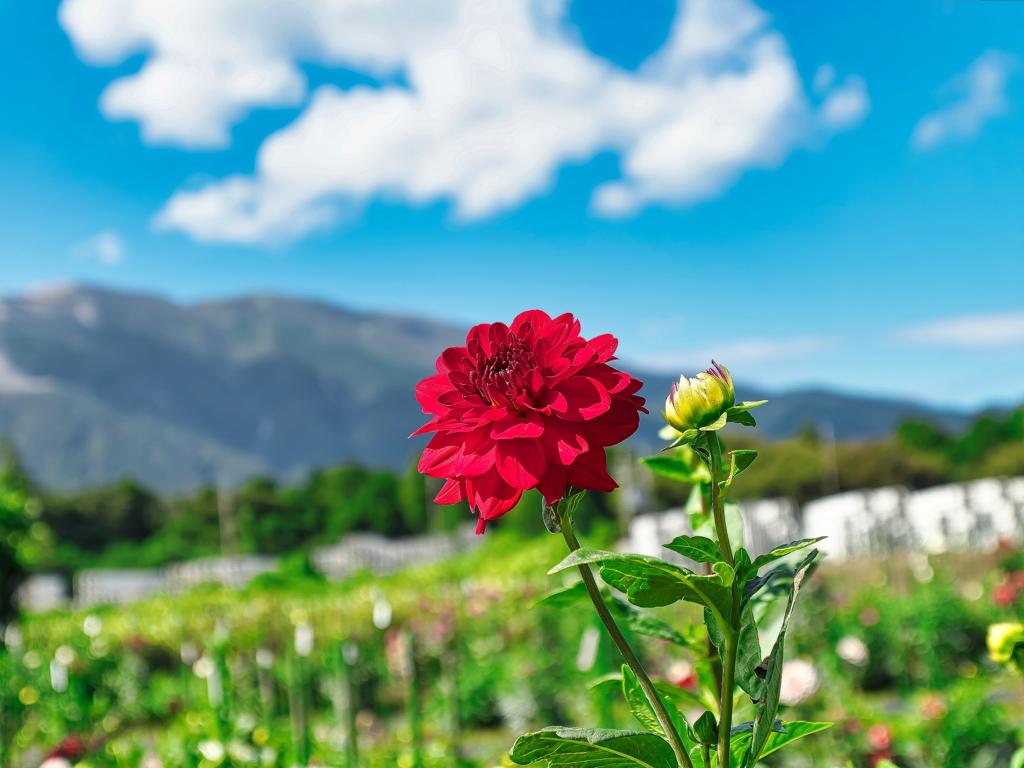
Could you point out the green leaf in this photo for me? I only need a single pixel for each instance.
(597, 747)
(652, 627)
(606, 685)
(768, 705)
(705, 730)
(679, 696)
(651, 583)
(794, 730)
(743, 418)
(738, 413)
(700, 549)
(782, 551)
(641, 708)
(725, 572)
(749, 726)
(576, 593)
(1016, 759)
(719, 423)
(672, 468)
(748, 650)
(745, 406)
(685, 438)
(753, 586)
(740, 461)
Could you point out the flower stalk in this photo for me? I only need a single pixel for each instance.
(731, 632)
(650, 692)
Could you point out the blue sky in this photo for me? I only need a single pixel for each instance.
(868, 236)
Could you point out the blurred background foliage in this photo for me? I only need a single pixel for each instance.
(126, 525)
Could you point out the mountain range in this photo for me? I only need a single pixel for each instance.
(96, 385)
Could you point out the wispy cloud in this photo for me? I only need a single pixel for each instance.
(971, 331)
(105, 246)
(981, 92)
(737, 353)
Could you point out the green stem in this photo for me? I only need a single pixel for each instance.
(653, 698)
(705, 752)
(732, 633)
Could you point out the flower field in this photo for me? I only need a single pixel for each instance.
(444, 665)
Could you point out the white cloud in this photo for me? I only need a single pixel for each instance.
(982, 96)
(105, 246)
(971, 331)
(737, 353)
(500, 96)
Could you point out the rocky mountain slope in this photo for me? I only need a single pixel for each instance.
(96, 385)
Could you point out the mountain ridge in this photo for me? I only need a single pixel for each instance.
(97, 384)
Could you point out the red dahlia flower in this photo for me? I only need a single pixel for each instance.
(528, 406)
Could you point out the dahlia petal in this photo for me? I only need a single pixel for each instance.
(554, 400)
(498, 333)
(581, 358)
(491, 496)
(512, 426)
(476, 454)
(586, 398)
(590, 471)
(610, 378)
(480, 338)
(616, 424)
(438, 458)
(452, 492)
(537, 319)
(430, 426)
(569, 442)
(430, 390)
(453, 359)
(520, 462)
(552, 485)
(604, 347)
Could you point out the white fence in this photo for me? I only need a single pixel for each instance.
(381, 556)
(973, 516)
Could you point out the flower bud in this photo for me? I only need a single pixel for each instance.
(701, 401)
(1005, 644)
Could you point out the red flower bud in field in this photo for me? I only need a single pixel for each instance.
(531, 405)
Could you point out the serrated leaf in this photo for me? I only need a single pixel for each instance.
(782, 551)
(593, 748)
(641, 708)
(700, 549)
(717, 425)
(768, 705)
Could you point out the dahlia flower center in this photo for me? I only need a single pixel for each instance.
(500, 378)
